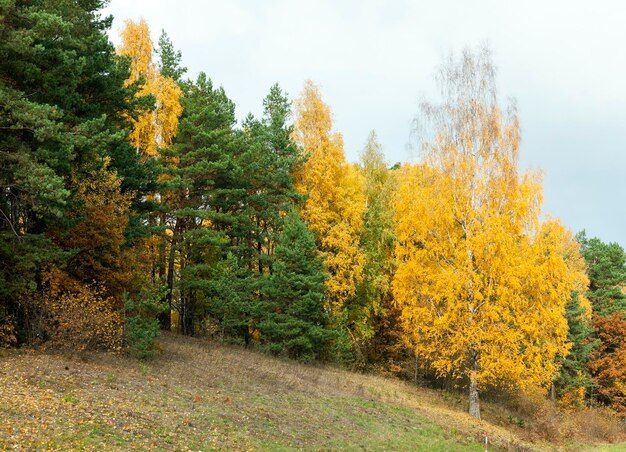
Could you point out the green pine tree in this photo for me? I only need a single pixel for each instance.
(200, 219)
(574, 373)
(229, 192)
(293, 319)
(170, 59)
(607, 274)
(271, 158)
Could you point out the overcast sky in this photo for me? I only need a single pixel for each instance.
(563, 61)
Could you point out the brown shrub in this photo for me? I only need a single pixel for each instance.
(598, 423)
(543, 419)
(8, 336)
(83, 319)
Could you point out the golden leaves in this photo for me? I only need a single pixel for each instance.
(137, 44)
(156, 128)
(100, 236)
(479, 278)
(336, 203)
(81, 319)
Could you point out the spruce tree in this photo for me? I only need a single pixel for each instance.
(573, 379)
(294, 321)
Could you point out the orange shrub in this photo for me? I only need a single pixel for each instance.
(82, 319)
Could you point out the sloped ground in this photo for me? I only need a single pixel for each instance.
(204, 396)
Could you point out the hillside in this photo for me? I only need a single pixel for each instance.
(200, 396)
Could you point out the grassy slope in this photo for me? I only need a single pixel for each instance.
(200, 396)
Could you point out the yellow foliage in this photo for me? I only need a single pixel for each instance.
(574, 398)
(156, 128)
(336, 203)
(481, 283)
(103, 189)
(100, 236)
(81, 319)
(569, 248)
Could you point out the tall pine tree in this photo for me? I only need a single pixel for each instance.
(198, 195)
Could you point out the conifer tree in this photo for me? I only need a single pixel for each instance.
(607, 274)
(573, 383)
(200, 182)
(293, 319)
(232, 298)
(272, 158)
(170, 59)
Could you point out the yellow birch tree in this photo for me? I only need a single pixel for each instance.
(482, 285)
(156, 128)
(336, 203)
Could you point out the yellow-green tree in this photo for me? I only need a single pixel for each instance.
(372, 315)
(335, 204)
(481, 283)
(155, 128)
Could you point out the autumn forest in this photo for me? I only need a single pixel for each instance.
(133, 204)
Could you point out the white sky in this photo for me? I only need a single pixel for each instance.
(564, 62)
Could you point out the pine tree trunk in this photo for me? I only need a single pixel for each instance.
(162, 251)
(259, 247)
(166, 317)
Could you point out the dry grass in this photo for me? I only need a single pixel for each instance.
(202, 396)
(537, 418)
